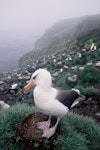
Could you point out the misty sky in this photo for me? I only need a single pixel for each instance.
(32, 16)
(23, 21)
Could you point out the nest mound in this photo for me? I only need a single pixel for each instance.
(30, 137)
(90, 107)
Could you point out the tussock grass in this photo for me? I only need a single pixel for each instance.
(77, 132)
(8, 119)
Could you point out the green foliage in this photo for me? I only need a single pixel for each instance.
(89, 74)
(85, 40)
(0, 107)
(96, 55)
(8, 119)
(88, 44)
(79, 133)
(67, 34)
(90, 91)
(86, 91)
(61, 80)
(73, 45)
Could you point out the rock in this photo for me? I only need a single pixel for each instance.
(84, 50)
(28, 101)
(97, 114)
(4, 105)
(81, 68)
(89, 63)
(74, 67)
(1, 82)
(55, 74)
(73, 78)
(79, 55)
(98, 64)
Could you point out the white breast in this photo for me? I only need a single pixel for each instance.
(45, 101)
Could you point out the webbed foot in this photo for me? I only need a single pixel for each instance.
(43, 125)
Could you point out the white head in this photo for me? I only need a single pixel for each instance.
(41, 78)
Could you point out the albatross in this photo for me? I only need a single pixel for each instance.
(50, 101)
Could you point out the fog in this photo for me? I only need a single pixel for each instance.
(22, 22)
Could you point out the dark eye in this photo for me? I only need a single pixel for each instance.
(35, 76)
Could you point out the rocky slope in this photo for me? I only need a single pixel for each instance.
(61, 35)
(75, 64)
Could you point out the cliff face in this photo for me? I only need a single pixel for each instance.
(62, 34)
(70, 50)
(67, 30)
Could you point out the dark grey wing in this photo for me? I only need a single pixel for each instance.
(67, 97)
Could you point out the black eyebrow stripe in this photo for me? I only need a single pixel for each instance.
(35, 76)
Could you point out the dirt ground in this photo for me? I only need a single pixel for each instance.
(90, 107)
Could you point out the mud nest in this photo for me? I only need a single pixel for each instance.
(30, 137)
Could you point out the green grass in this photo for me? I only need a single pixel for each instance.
(77, 132)
(8, 119)
(0, 107)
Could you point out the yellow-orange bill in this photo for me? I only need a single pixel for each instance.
(28, 86)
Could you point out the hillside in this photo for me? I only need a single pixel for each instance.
(61, 35)
(73, 58)
(75, 65)
(67, 30)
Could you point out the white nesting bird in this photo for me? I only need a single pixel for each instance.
(14, 86)
(50, 101)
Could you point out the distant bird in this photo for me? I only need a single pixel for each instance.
(50, 101)
(14, 86)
